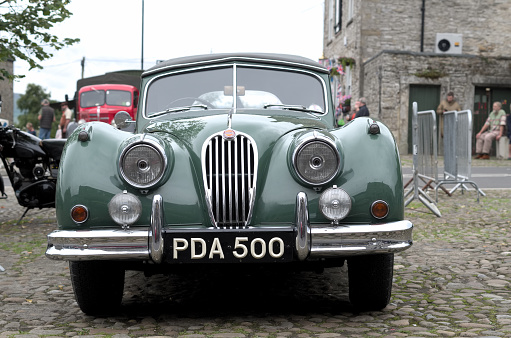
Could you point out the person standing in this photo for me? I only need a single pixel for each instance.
(30, 128)
(67, 115)
(362, 108)
(46, 118)
(495, 124)
(449, 104)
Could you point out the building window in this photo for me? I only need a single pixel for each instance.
(350, 9)
(330, 20)
(338, 15)
(347, 79)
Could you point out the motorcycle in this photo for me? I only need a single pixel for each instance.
(32, 166)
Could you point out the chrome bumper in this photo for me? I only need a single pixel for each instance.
(311, 241)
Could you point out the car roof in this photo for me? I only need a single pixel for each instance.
(207, 59)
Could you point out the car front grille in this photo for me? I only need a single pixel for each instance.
(229, 169)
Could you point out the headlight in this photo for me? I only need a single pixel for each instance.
(316, 161)
(335, 203)
(143, 164)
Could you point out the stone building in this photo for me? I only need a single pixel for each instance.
(6, 93)
(418, 51)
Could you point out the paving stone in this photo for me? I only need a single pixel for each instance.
(453, 282)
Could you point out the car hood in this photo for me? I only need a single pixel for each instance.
(264, 129)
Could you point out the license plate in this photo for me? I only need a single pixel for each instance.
(228, 246)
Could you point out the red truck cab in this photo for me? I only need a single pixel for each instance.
(101, 102)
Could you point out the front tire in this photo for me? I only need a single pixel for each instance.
(370, 281)
(98, 286)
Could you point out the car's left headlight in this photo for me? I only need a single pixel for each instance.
(316, 161)
(142, 164)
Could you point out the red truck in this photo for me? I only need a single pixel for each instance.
(102, 101)
(99, 98)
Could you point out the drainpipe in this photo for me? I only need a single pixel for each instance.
(423, 10)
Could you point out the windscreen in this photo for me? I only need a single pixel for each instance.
(256, 88)
(92, 98)
(118, 98)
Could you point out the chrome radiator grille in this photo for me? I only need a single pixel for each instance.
(229, 168)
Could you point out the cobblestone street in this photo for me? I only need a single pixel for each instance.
(453, 282)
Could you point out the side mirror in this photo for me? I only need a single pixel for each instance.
(123, 120)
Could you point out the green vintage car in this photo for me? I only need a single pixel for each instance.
(234, 159)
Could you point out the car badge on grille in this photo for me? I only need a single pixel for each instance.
(229, 134)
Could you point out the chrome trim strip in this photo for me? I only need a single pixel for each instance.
(224, 214)
(155, 234)
(348, 240)
(243, 194)
(98, 245)
(236, 175)
(217, 189)
(303, 236)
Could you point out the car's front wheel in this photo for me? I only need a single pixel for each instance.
(370, 281)
(98, 286)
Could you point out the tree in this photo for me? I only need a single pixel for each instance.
(30, 104)
(24, 31)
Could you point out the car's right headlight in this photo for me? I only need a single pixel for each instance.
(316, 161)
(142, 164)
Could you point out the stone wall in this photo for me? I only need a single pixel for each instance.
(396, 25)
(388, 76)
(384, 37)
(6, 91)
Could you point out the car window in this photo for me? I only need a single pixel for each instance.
(291, 88)
(92, 98)
(118, 98)
(257, 87)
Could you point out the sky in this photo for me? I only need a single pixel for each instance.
(111, 35)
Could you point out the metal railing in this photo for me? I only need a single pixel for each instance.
(457, 152)
(425, 158)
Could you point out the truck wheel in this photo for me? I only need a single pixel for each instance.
(98, 286)
(370, 281)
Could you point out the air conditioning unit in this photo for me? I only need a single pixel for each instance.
(448, 43)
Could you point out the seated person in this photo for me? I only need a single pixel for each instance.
(495, 124)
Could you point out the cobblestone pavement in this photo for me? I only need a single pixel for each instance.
(453, 282)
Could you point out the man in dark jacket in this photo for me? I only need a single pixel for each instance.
(362, 111)
(46, 118)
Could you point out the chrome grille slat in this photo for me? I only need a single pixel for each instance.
(243, 214)
(229, 174)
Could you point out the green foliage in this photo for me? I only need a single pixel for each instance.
(25, 29)
(30, 104)
(346, 62)
(430, 73)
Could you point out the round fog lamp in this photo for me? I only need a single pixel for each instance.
(379, 209)
(335, 203)
(125, 208)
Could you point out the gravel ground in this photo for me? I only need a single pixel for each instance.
(453, 282)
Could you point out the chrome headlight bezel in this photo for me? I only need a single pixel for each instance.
(143, 165)
(317, 161)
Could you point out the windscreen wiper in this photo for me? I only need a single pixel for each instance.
(292, 107)
(178, 109)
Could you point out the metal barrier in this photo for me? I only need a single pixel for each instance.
(457, 152)
(425, 161)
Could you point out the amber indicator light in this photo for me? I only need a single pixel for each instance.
(380, 209)
(79, 213)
